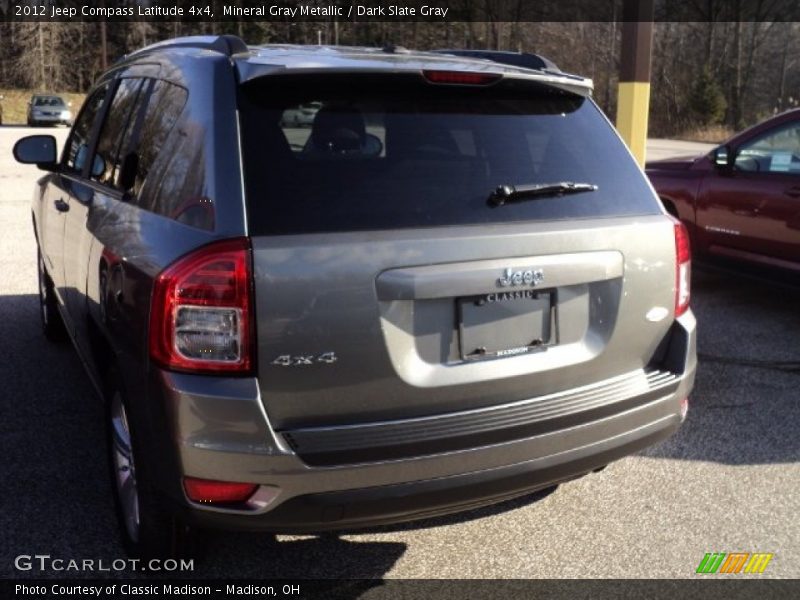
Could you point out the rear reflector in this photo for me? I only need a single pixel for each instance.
(683, 269)
(461, 77)
(684, 408)
(207, 491)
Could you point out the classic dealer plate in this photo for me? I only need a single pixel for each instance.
(504, 324)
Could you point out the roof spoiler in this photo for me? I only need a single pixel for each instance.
(227, 45)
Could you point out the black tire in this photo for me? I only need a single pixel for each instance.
(149, 527)
(52, 324)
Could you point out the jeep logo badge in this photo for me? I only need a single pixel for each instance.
(530, 277)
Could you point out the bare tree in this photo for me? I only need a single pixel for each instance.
(737, 44)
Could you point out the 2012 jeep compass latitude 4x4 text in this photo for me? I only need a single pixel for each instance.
(454, 287)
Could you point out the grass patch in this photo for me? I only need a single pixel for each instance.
(712, 134)
(15, 104)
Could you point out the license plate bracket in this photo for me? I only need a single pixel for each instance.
(505, 324)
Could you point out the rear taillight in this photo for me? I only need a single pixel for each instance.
(683, 269)
(461, 77)
(201, 311)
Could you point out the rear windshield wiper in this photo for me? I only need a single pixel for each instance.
(505, 194)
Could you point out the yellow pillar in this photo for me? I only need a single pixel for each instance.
(633, 106)
(633, 100)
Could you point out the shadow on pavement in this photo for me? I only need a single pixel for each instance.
(57, 499)
(53, 447)
(744, 408)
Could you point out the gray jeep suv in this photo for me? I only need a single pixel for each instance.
(454, 288)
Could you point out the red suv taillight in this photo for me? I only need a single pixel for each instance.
(683, 269)
(201, 312)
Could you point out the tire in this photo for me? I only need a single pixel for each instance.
(148, 526)
(52, 324)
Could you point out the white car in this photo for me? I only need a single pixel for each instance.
(301, 115)
(49, 110)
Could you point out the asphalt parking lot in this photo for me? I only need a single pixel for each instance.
(728, 481)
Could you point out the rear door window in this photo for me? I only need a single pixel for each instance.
(326, 154)
(141, 117)
(77, 145)
(108, 157)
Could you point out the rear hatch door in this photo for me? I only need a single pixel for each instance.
(388, 285)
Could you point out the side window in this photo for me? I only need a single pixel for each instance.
(164, 106)
(776, 152)
(118, 119)
(127, 154)
(77, 145)
(171, 173)
(176, 184)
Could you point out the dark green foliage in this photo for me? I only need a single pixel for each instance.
(706, 101)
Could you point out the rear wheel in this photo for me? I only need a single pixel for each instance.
(52, 324)
(149, 528)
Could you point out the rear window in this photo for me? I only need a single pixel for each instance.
(327, 153)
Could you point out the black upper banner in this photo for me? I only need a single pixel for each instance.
(441, 11)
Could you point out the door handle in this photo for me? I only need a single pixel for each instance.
(60, 205)
(793, 191)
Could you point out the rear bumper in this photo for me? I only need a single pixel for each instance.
(369, 506)
(50, 120)
(221, 431)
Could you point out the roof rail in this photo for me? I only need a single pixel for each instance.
(514, 59)
(224, 44)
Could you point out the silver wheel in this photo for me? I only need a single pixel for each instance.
(124, 467)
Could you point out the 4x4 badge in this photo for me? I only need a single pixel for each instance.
(287, 360)
(530, 277)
